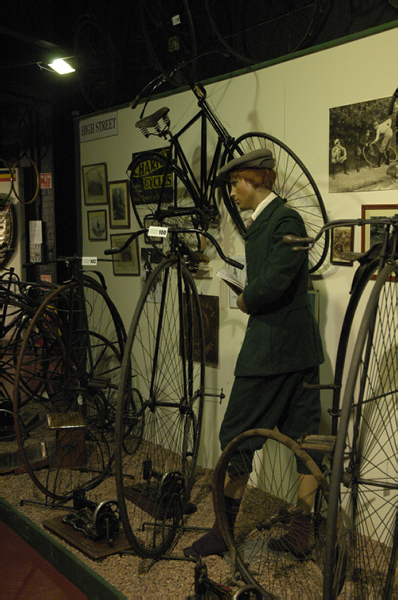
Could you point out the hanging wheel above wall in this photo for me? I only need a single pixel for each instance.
(97, 62)
(255, 31)
(169, 36)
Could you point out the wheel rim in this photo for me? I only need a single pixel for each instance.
(294, 185)
(151, 171)
(364, 472)
(170, 413)
(266, 511)
(65, 391)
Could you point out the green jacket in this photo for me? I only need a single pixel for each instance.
(282, 333)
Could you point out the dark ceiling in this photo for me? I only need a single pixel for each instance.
(30, 32)
(120, 45)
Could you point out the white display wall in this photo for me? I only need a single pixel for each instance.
(291, 101)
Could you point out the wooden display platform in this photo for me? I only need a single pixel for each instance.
(95, 549)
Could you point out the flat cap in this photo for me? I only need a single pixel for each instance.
(258, 159)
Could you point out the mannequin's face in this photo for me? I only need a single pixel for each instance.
(243, 193)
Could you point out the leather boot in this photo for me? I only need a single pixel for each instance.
(212, 542)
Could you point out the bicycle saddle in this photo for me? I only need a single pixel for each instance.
(152, 120)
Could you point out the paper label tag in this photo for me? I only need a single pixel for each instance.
(89, 260)
(157, 231)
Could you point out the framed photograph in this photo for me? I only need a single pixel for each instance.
(373, 233)
(126, 262)
(342, 241)
(97, 225)
(95, 184)
(119, 205)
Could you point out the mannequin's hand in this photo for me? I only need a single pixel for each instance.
(241, 304)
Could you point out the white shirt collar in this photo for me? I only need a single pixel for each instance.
(263, 204)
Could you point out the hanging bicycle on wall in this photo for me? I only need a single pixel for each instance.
(294, 183)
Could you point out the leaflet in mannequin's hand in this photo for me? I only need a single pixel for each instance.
(230, 280)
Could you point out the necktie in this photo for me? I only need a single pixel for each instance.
(249, 222)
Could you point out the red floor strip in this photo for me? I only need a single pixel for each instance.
(26, 574)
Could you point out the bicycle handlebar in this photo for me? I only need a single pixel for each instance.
(176, 231)
(60, 259)
(291, 240)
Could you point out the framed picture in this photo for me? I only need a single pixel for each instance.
(97, 225)
(373, 233)
(119, 205)
(95, 184)
(126, 262)
(342, 241)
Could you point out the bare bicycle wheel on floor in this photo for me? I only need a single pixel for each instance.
(268, 508)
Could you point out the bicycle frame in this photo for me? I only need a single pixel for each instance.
(206, 185)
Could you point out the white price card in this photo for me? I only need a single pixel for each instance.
(90, 261)
(154, 231)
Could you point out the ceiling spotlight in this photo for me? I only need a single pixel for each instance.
(61, 66)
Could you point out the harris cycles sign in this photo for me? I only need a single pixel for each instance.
(148, 178)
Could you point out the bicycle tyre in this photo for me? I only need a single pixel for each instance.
(392, 154)
(173, 192)
(266, 510)
(154, 479)
(169, 36)
(369, 154)
(14, 319)
(363, 479)
(362, 277)
(97, 62)
(3, 200)
(293, 184)
(255, 33)
(65, 389)
(37, 176)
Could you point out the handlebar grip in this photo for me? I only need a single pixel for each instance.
(235, 263)
(111, 251)
(292, 240)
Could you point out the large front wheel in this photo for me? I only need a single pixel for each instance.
(293, 184)
(364, 476)
(159, 410)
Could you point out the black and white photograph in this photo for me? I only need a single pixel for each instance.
(97, 225)
(374, 232)
(95, 184)
(119, 209)
(125, 262)
(362, 147)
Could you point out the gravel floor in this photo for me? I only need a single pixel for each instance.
(133, 576)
